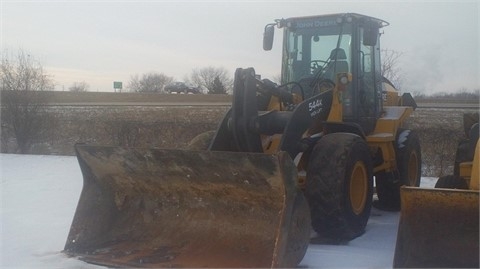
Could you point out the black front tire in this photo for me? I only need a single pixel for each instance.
(298, 236)
(339, 187)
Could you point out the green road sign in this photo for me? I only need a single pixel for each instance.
(117, 85)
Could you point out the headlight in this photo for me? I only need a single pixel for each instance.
(344, 80)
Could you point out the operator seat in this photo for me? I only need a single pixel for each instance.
(338, 64)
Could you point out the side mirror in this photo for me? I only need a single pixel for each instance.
(268, 36)
(370, 35)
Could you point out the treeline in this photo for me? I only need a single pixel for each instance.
(462, 94)
(211, 80)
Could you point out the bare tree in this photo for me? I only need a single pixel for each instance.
(277, 78)
(390, 66)
(79, 87)
(205, 78)
(22, 82)
(151, 82)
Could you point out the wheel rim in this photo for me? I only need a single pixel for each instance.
(358, 188)
(412, 169)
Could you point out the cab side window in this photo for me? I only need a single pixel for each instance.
(367, 79)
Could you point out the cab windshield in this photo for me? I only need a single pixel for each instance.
(312, 51)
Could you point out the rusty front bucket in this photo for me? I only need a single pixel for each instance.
(438, 228)
(173, 208)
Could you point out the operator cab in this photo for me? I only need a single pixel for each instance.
(317, 48)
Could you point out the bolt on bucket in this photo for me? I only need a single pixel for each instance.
(174, 208)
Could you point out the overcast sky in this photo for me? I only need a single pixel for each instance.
(104, 41)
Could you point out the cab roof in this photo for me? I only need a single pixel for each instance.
(337, 17)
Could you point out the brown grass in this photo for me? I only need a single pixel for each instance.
(105, 97)
(167, 126)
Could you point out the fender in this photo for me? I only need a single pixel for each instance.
(343, 127)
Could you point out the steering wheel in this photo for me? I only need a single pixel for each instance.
(316, 64)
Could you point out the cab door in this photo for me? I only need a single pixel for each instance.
(368, 83)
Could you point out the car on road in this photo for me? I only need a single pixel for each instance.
(181, 87)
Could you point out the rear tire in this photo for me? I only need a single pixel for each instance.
(339, 187)
(408, 156)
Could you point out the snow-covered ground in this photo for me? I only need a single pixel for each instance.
(39, 195)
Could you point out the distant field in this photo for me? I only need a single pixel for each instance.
(105, 97)
(447, 100)
(128, 98)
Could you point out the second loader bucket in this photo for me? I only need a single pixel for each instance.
(174, 208)
(438, 229)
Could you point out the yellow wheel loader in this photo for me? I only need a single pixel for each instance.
(285, 158)
(439, 228)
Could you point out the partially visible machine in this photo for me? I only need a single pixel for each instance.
(439, 228)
